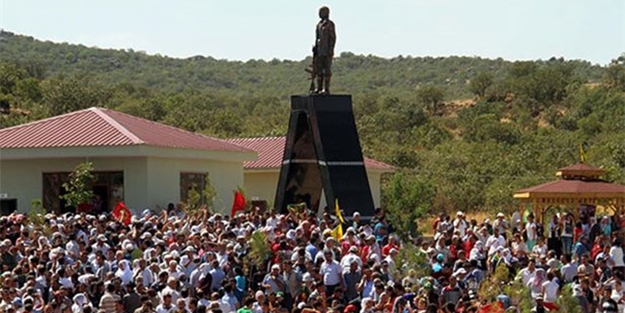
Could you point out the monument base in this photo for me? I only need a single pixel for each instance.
(323, 152)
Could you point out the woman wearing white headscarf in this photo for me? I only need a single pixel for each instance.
(367, 305)
(124, 272)
(507, 257)
(477, 252)
(536, 283)
(80, 300)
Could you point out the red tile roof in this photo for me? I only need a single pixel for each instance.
(580, 167)
(567, 187)
(103, 127)
(271, 149)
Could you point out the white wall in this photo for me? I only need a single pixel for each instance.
(262, 185)
(164, 180)
(148, 182)
(23, 179)
(375, 183)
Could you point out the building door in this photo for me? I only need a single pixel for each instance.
(101, 198)
(8, 206)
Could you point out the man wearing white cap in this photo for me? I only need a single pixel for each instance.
(460, 223)
(273, 281)
(357, 223)
(501, 224)
(460, 275)
(101, 244)
(494, 242)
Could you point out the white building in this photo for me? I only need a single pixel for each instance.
(143, 163)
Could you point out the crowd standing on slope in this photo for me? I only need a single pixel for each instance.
(174, 262)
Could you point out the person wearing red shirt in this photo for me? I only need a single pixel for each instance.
(392, 244)
(349, 241)
(596, 248)
(469, 244)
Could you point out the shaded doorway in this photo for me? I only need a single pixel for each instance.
(108, 190)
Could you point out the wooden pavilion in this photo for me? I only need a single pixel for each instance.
(579, 185)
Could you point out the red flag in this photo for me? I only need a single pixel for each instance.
(122, 214)
(238, 204)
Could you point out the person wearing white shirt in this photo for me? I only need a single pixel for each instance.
(332, 273)
(72, 246)
(540, 249)
(519, 248)
(460, 224)
(616, 253)
(494, 242)
(500, 223)
(170, 290)
(145, 273)
(618, 295)
(300, 252)
(528, 272)
(550, 289)
(568, 270)
(515, 221)
(166, 306)
(272, 221)
(349, 258)
(531, 232)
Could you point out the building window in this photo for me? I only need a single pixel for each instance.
(191, 181)
(108, 190)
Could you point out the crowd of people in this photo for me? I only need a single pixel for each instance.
(177, 262)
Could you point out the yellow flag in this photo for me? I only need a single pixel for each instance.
(337, 211)
(337, 232)
(582, 154)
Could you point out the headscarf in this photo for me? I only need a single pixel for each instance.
(539, 278)
(365, 301)
(79, 301)
(476, 252)
(507, 256)
(124, 274)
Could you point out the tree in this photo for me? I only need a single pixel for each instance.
(37, 212)
(10, 74)
(408, 198)
(201, 196)
(480, 83)
(432, 97)
(63, 95)
(614, 76)
(78, 187)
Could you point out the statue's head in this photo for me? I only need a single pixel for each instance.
(324, 12)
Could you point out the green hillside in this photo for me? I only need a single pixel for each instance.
(464, 131)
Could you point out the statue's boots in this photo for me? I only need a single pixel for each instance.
(326, 86)
(319, 87)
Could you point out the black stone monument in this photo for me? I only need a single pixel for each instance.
(322, 152)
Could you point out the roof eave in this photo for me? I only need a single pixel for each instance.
(125, 151)
(569, 195)
(376, 170)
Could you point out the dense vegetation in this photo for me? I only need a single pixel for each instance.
(465, 132)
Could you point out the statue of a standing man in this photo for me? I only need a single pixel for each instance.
(323, 51)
